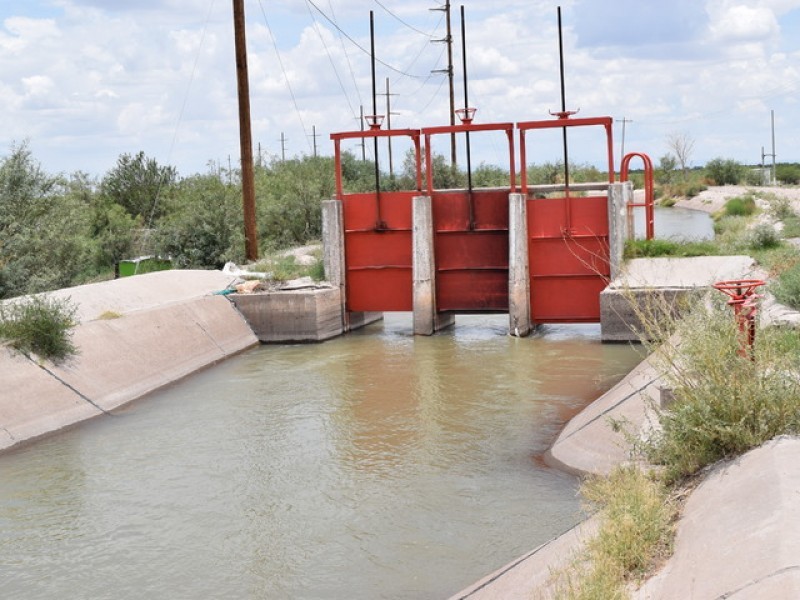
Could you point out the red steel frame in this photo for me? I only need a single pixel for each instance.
(649, 190)
(471, 234)
(377, 235)
(568, 245)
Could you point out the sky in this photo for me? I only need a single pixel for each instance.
(85, 81)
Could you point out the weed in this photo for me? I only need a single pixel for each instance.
(786, 288)
(39, 325)
(660, 247)
(635, 531)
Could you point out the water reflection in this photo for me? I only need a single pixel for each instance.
(378, 465)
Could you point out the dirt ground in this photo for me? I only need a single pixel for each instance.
(714, 198)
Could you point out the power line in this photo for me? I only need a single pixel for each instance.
(283, 70)
(411, 27)
(359, 46)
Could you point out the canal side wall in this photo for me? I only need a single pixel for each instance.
(739, 531)
(134, 336)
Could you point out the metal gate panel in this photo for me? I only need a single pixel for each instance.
(378, 251)
(471, 258)
(568, 255)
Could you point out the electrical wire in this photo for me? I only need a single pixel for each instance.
(285, 76)
(180, 115)
(359, 46)
(411, 27)
(330, 59)
(349, 64)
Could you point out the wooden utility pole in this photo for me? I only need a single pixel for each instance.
(245, 136)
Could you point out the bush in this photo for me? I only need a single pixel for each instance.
(659, 247)
(788, 173)
(725, 404)
(787, 287)
(39, 325)
(763, 236)
(740, 206)
(724, 171)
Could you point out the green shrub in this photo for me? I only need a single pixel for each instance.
(787, 287)
(788, 173)
(725, 404)
(740, 206)
(724, 171)
(39, 325)
(763, 236)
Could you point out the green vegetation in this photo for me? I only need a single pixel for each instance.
(636, 525)
(725, 403)
(659, 247)
(788, 173)
(724, 171)
(740, 206)
(39, 325)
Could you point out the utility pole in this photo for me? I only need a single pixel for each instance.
(283, 147)
(623, 120)
(773, 179)
(389, 114)
(314, 137)
(448, 39)
(774, 172)
(245, 136)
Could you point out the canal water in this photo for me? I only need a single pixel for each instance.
(376, 465)
(675, 223)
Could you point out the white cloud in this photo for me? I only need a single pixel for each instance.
(742, 23)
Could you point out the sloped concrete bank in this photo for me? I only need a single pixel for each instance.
(739, 532)
(134, 336)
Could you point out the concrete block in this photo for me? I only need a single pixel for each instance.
(427, 319)
(628, 315)
(309, 315)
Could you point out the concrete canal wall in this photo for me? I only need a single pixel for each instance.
(134, 336)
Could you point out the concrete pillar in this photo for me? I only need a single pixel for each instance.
(333, 250)
(519, 283)
(427, 319)
(619, 196)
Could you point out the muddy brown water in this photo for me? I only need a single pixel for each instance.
(376, 465)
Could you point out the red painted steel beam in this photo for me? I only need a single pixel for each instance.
(525, 126)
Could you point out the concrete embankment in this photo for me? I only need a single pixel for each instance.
(134, 336)
(738, 532)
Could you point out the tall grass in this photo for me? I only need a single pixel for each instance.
(635, 532)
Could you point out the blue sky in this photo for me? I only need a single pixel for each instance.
(87, 80)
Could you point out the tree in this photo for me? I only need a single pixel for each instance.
(666, 168)
(724, 171)
(44, 227)
(682, 145)
(138, 184)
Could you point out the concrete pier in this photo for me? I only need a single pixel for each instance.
(427, 320)
(519, 282)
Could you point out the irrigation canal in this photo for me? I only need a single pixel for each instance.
(376, 465)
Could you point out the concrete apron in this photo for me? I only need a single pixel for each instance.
(135, 335)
